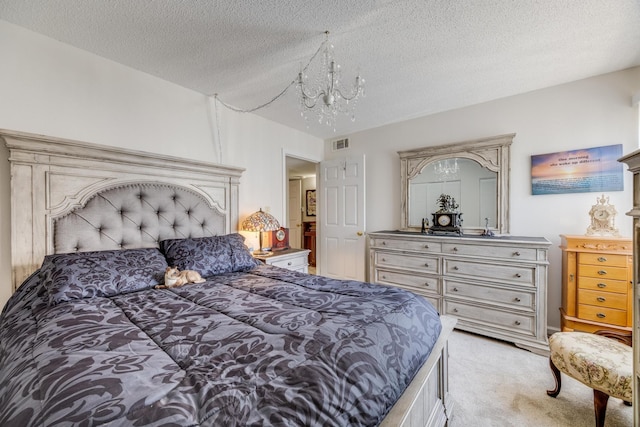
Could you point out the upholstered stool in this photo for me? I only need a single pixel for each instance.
(596, 360)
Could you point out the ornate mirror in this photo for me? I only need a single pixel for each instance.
(475, 173)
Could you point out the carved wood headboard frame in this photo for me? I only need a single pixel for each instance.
(52, 176)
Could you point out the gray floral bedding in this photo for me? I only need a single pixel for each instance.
(264, 347)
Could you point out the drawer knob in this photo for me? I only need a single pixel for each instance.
(517, 322)
(601, 315)
(516, 253)
(289, 263)
(455, 267)
(384, 260)
(426, 246)
(426, 284)
(384, 277)
(384, 243)
(602, 285)
(602, 259)
(455, 249)
(602, 272)
(426, 264)
(455, 289)
(455, 310)
(518, 275)
(516, 299)
(601, 299)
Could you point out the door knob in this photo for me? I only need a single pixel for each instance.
(359, 233)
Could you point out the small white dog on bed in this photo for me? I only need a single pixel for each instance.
(174, 278)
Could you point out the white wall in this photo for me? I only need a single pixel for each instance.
(587, 113)
(50, 88)
(260, 146)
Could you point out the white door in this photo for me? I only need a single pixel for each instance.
(295, 213)
(342, 220)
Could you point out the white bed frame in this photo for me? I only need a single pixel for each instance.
(52, 176)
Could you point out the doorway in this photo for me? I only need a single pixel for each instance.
(301, 208)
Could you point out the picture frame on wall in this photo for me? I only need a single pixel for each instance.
(583, 170)
(311, 202)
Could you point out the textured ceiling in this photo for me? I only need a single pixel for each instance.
(418, 57)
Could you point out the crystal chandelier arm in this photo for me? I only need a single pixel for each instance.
(357, 90)
(313, 97)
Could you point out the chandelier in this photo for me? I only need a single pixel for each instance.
(323, 95)
(447, 169)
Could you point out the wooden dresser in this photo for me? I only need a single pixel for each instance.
(495, 286)
(597, 278)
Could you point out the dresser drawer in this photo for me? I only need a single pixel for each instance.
(490, 294)
(603, 271)
(487, 316)
(505, 252)
(407, 245)
(603, 284)
(602, 314)
(494, 272)
(293, 263)
(408, 280)
(419, 263)
(603, 299)
(611, 260)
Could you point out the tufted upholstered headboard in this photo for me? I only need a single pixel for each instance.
(135, 216)
(71, 196)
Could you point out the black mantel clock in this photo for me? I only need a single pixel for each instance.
(447, 221)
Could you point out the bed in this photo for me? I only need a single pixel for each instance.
(88, 339)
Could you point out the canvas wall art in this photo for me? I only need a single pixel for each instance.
(578, 171)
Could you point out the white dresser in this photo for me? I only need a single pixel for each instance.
(291, 259)
(495, 286)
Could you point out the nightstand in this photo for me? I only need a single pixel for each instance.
(291, 259)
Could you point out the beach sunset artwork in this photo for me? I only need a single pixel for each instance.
(578, 171)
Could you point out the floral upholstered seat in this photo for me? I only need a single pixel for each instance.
(602, 363)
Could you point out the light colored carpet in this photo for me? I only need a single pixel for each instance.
(494, 383)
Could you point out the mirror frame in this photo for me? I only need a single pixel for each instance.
(492, 153)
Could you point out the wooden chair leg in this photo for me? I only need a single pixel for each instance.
(556, 376)
(600, 400)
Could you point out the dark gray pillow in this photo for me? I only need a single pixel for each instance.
(101, 273)
(209, 256)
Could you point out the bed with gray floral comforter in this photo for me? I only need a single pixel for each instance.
(254, 345)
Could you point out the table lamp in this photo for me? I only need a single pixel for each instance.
(260, 222)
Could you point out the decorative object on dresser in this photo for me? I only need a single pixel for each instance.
(495, 286)
(279, 239)
(596, 283)
(447, 220)
(291, 259)
(603, 218)
(633, 161)
(259, 222)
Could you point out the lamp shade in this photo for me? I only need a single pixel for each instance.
(260, 221)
